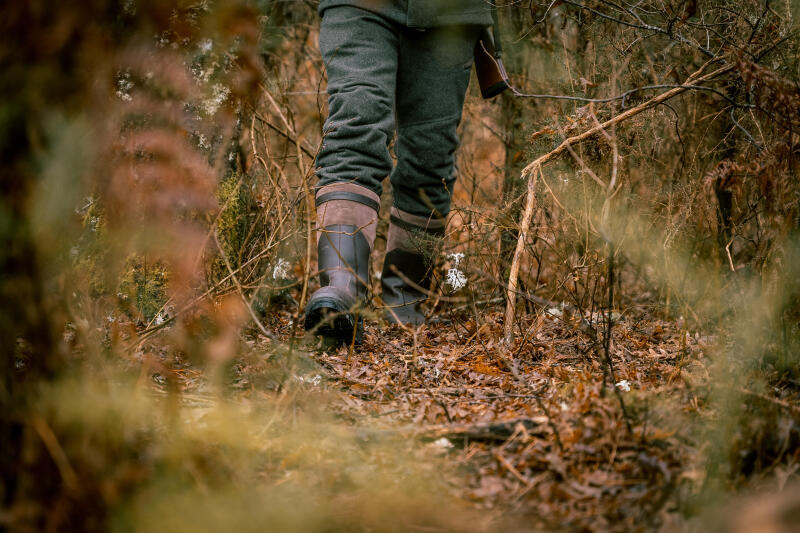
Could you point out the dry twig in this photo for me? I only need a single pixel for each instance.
(534, 170)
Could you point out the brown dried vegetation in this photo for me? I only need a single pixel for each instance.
(156, 226)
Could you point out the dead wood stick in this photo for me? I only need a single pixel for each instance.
(777, 401)
(534, 169)
(511, 468)
(56, 452)
(285, 135)
(247, 303)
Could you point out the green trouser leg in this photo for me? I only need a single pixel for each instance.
(423, 13)
(432, 78)
(383, 75)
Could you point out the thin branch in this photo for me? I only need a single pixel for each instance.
(534, 170)
(626, 94)
(643, 26)
(746, 133)
(240, 290)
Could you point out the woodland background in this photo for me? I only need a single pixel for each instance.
(157, 162)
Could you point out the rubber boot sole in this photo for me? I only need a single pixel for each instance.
(333, 319)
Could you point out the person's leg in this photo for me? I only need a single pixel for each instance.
(433, 74)
(360, 53)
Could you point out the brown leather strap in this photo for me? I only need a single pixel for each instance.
(411, 227)
(347, 195)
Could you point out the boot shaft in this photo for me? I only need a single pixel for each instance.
(343, 258)
(347, 216)
(408, 265)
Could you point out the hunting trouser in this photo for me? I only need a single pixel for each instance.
(386, 78)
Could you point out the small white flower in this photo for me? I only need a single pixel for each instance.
(456, 258)
(202, 142)
(220, 93)
(124, 86)
(159, 319)
(313, 380)
(624, 385)
(281, 269)
(205, 45)
(443, 443)
(456, 279)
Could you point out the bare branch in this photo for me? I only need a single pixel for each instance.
(534, 169)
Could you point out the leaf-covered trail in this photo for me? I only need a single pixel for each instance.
(546, 440)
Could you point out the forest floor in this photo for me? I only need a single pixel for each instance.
(543, 433)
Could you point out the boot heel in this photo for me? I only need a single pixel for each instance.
(333, 319)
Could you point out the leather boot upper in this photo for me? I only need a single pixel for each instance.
(408, 265)
(347, 217)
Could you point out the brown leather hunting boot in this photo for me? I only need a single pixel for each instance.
(347, 216)
(408, 266)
